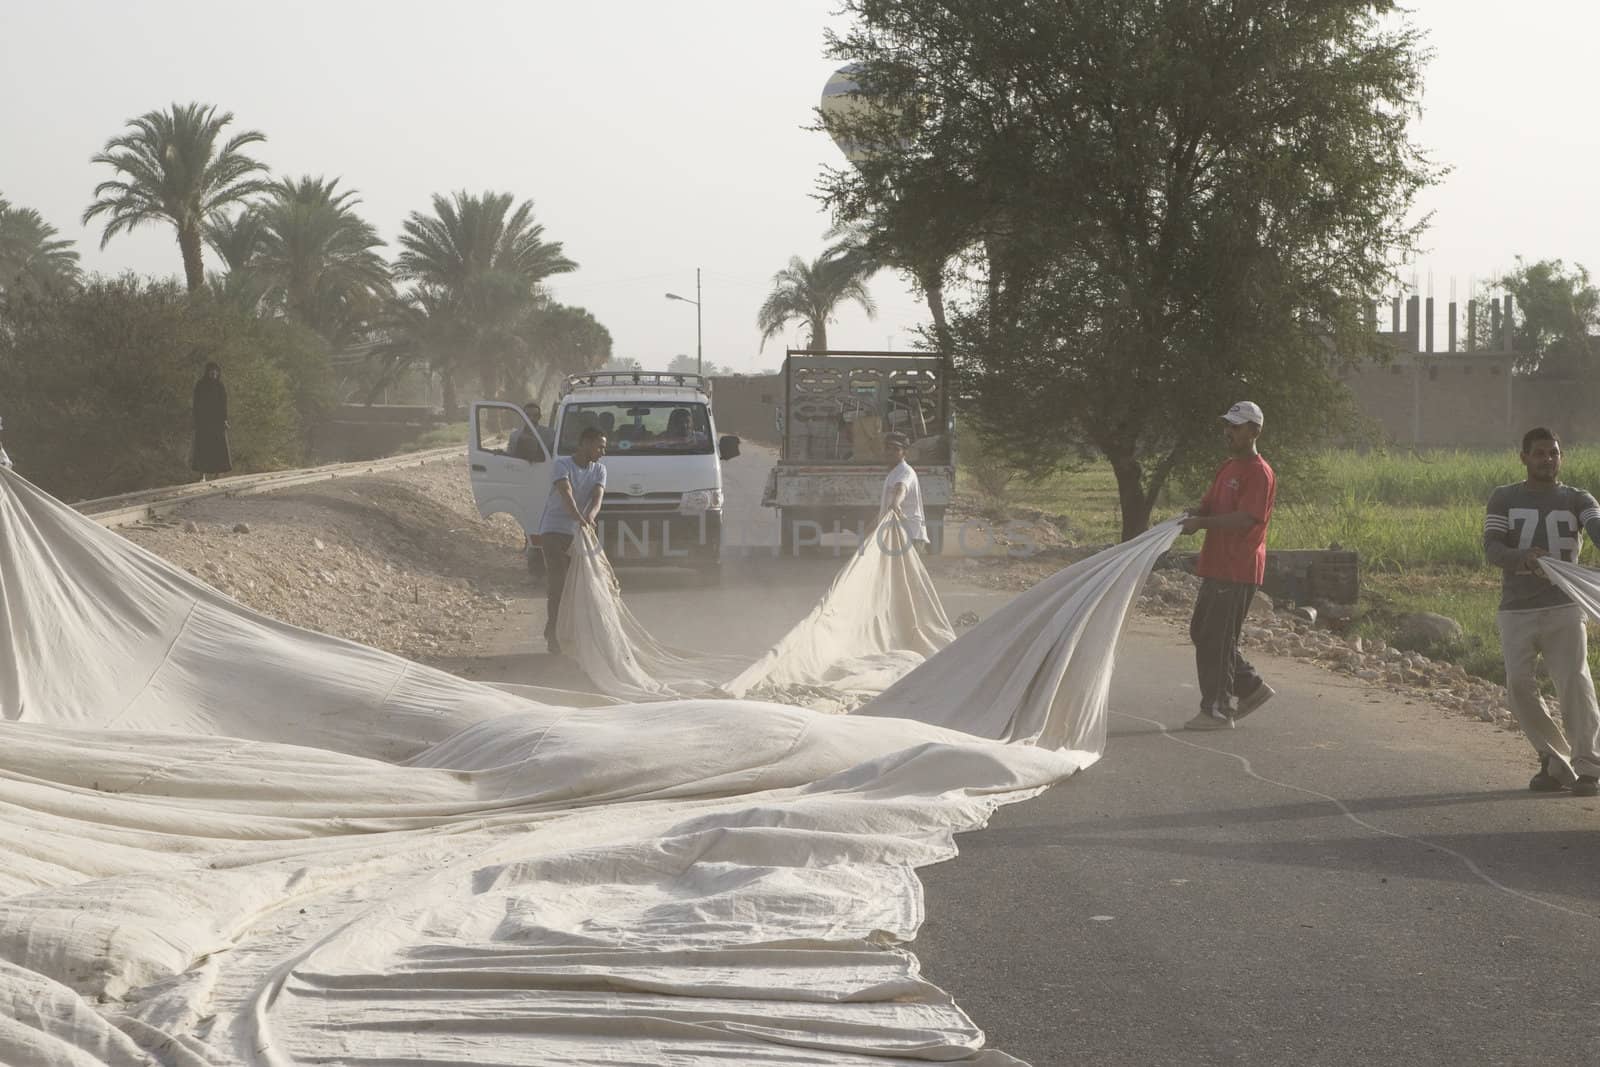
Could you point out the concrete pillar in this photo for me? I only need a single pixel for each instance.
(1472, 325)
(1452, 327)
(1395, 328)
(1510, 325)
(1416, 401)
(1494, 324)
(1428, 324)
(1413, 310)
(1511, 431)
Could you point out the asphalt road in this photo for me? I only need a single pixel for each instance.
(1349, 878)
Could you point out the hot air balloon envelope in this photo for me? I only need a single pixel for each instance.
(843, 102)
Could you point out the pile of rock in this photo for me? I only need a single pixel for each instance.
(1292, 633)
(399, 561)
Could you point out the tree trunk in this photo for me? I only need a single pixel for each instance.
(934, 288)
(1132, 499)
(194, 265)
(452, 404)
(819, 336)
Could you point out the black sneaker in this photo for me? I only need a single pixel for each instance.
(1587, 785)
(1545, 782)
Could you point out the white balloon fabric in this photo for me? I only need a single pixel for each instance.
(230, 841)
(1581, 583)
(1039, 669)
(842, 101)
(866, 644)
(880, 618)
(620, 656)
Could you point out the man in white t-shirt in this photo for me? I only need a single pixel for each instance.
(577, 486)
(902, 490)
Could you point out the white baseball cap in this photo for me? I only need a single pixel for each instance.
(1244, 411)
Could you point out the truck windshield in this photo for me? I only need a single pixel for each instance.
(651, 428)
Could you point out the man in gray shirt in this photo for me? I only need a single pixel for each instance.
(577, 486)
(1526, 520)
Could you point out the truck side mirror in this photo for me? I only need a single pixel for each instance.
(727, 446)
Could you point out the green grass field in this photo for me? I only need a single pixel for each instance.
(1416, 520)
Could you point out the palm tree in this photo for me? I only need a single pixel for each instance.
(319, 255)
(237, 241)
(304, 253)
(564, 340)
(469, 237)
(420, 329)
(173, 170)
(812, 292)
(32, 258)
(486, 264)
(868, 250)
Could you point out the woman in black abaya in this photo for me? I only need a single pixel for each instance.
(209, 453)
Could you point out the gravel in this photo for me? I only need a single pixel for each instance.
(398, 560)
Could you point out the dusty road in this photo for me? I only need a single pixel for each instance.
(1349, 878)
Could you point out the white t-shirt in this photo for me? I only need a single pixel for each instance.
(911, 506)
(584, 482)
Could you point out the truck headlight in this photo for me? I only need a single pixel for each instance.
(699, 501)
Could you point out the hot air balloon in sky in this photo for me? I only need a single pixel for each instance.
(842, 100)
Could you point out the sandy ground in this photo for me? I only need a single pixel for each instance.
(399, 560)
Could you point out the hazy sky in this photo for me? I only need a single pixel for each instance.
(654, 138)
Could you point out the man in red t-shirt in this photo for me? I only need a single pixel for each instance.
(1234, 515)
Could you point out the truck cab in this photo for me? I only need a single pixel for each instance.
(835, 408)
(663, 500)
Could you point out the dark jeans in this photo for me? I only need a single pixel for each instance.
(1219, 613)
(557, 549)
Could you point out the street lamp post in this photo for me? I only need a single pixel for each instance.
(699, 361)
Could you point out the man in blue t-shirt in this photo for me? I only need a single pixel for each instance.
(576, 488)
(1525, 520)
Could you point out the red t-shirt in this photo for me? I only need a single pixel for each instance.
(1239, 555)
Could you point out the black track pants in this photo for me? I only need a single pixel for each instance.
(1219, 613)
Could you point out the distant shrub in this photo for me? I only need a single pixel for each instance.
(96, 385)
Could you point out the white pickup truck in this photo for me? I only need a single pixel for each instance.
(663, 501)
(836, 407)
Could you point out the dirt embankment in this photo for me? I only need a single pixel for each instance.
(398, 560)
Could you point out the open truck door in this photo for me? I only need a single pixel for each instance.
(504, 484)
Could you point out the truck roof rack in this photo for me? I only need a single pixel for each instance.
(602, 378)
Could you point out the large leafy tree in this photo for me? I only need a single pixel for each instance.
(812, 293)
(483, 260)
(306, 253)
(1150, 209)
(175, 167)
(32, 257)
(1556, 309)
